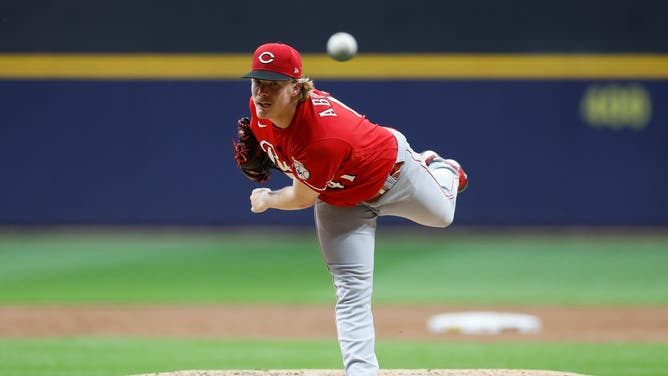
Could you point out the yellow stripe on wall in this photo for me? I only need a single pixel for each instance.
(318, 66)
(130, 66)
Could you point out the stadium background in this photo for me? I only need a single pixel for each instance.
(86, 143)
(118, 188)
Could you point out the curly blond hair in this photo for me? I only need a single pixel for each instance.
(306, 89)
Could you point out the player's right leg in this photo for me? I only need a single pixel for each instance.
(347, 241)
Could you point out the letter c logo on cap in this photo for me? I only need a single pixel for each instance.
(266, 57)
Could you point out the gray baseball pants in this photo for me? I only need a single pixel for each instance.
(425, 195)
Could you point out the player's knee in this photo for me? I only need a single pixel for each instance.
(446, 219)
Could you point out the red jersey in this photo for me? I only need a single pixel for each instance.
(330, 148)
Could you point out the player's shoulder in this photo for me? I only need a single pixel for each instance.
(317, 93)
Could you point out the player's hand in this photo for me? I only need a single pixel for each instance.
(251, 159)
(258, 199)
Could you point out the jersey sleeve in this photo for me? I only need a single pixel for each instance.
(319, 162)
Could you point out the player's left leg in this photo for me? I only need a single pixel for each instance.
(347, 241)
(424, 194)
(443, 169)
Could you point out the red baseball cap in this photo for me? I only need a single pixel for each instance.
(275, 62)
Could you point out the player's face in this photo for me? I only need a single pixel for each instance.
(272, 98)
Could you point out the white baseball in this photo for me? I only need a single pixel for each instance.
(341, 46)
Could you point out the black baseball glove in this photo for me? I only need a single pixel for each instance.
(250, 157)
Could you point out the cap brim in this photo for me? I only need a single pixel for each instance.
(266, 75)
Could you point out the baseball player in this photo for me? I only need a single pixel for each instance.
(351, 170)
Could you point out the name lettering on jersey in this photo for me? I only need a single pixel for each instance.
(301, 171)
(327, 112)
(271, 152)
(320, 102)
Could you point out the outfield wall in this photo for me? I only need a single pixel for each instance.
(122, 112)
(538, 152)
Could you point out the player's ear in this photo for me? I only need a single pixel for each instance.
(296, 87)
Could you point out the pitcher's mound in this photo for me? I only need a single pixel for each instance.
(383, 372)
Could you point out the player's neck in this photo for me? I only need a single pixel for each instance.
(285, 118)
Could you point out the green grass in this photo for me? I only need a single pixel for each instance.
(251, 267)
(122, 356)
(576, 269)
(159, 268)
(219, 268)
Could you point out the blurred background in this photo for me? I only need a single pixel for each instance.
(116, 121)
(121, 113)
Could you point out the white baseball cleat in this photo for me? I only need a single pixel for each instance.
(430, 156)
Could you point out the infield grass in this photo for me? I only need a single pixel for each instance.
(122, 356)
(221, 268)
